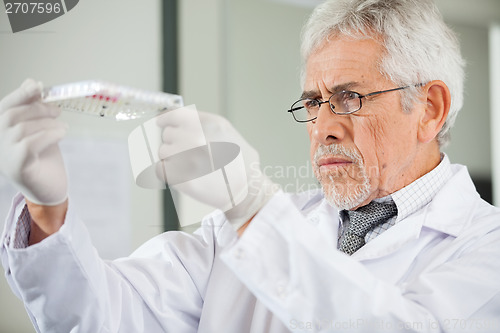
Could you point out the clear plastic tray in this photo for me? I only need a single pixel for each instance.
(110, 100)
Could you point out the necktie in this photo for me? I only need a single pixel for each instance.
(363, 220)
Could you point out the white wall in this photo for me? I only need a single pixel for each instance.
(470, 137)
(114, 40)
(241, 59)
(263, 67)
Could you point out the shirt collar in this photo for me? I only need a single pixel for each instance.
(420, 192)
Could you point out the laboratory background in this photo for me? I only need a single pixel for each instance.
(237, 58)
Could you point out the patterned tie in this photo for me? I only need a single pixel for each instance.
(363, 220)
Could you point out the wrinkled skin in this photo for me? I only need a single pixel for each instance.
(393, 146)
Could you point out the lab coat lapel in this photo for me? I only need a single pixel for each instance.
(449, 212)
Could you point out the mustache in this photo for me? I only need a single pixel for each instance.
(337, 150)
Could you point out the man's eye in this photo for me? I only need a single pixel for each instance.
(311, 103)
(349, 95)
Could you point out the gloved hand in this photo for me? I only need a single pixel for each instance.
(29, 155)
(179, 134)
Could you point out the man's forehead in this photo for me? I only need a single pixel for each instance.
(342, 64)
(338, 46)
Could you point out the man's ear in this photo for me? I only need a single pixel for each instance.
(437, 99)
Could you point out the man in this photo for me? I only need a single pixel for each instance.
(399, 240)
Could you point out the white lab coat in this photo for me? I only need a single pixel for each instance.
(437, 270)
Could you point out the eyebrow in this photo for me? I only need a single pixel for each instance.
(333, 90)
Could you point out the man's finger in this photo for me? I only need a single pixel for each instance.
(28, 92)
(28, 128)
(40, 141)
(34, 111)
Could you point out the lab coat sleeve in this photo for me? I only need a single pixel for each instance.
(66, 287)
(312, 286)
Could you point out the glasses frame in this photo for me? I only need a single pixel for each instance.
(332, 107)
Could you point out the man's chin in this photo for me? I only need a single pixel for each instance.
(346, 196)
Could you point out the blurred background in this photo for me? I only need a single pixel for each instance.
(233, 57)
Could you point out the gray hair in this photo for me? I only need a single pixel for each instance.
(419, 46)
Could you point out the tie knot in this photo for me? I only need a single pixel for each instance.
(368, 217)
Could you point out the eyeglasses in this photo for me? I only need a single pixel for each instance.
(343, 102)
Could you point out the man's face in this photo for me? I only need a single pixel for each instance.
(368, 154)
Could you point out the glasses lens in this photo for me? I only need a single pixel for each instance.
(345, 102)
(305, 109)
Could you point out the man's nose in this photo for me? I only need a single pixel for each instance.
(328, 127)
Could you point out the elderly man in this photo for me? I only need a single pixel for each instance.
(397, 240)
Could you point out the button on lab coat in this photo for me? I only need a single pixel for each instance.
(438, 270)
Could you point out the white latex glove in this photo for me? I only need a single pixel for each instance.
(179, 133)
(29, 155)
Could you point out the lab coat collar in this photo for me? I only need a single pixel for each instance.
(449, 213)
(452, 208)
